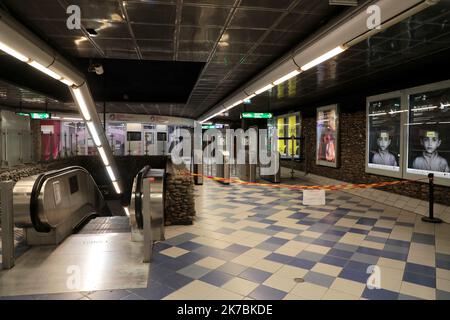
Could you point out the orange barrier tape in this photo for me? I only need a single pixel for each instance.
(346, 186)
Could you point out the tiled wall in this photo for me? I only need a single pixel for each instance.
(352, 158)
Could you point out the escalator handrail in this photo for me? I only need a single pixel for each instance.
(34, 201)
(138, 196)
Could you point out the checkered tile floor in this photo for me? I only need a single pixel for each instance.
(253, 242)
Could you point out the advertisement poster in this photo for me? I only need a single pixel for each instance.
(327, 136)
(281, 142)
(384, 123)
(428, 133)
(289, 126)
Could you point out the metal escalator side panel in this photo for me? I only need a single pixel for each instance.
(57, 197)
(136, 197)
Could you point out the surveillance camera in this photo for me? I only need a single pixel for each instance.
(97, 68)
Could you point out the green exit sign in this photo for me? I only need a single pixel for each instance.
(256, 115)
(35, 115)
(39, 115)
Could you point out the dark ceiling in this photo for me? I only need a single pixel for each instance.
(181, 57)
(412, 53)
(189, 52)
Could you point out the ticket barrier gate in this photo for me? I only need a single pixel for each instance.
(147, 208)
(223, 169)
(274, 174)
(247, 171)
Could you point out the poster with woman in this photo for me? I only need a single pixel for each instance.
(384, 134)
(327, 145)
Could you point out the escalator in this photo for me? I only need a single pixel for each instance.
(52, 205)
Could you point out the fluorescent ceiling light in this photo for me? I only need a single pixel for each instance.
(67, 82)
(127, 212)
(94, 133)
(13, 52)
(116, 187)
(53, 117)
(45, 70)
(82, 104)
(263, 89)
(287, 77)
(103, 156)
(111, 173)
(73, 119)
(330, 54)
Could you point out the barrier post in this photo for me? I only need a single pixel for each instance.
(292, 156)
(148, 240)
(431, 217)
(7, 224)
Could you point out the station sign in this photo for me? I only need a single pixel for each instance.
(256, 115)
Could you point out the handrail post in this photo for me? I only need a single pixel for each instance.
(7, 224)
(431, 217)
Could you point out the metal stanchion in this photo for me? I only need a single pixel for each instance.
(431, 217)
(148, 240)
(292, 156)
(6, 194)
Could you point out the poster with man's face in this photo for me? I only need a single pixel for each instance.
(428, 133)
(327, 136)
(384, 123)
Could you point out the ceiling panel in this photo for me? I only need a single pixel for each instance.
(140, 12)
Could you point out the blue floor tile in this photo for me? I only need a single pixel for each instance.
(276, 240)
(281, 258)
(359, 231)
(399, 243)
(443, 264)
(190, 258)
(156, 291)
(369, 251)
(255, 275)
(176, 281)
(358, 266)
(335, 261)
(419, 279)
(423, 238)
(340, 253)
(379, 294)
(276, 228)
(189, 245)
(354, 275)
(367, 221)
(319, 279)
(394, 255)
(301, 263)
(325, 243)
(267, 293)
(217, 278)
(420, 269)
(383, 230)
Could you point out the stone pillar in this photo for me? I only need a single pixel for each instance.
(35, 127)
